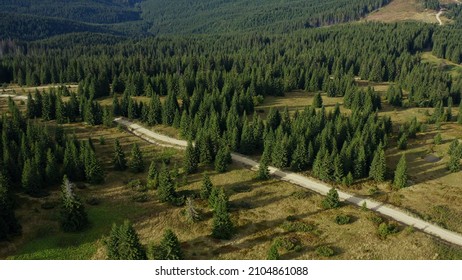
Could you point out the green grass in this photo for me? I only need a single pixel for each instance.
(82, 245)
(455, 70)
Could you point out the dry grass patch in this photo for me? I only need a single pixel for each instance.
(403, 10)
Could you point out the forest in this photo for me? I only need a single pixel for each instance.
(207, 82)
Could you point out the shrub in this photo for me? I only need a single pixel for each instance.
(386, 229)
(342, 219)
(325, 251)
(297, 226)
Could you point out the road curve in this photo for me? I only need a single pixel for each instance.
(308, 183)
(438, 17)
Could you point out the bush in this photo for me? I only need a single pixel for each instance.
(342, 219)
(325, 251)
(297, 227)
(386, 229)
(291, 243)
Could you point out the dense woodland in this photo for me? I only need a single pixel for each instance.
(31, 20)
(207, 86)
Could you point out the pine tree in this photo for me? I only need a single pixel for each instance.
(360, 164)
(222, 159)
(331, 200)
(170, 246)
(222, 226)
(338, 169)
(166, 190)
(300, 157)
(400, 180)
(119, 161)
(454, 163)
(348, 180)
(52, 172)
(60, 111)
(94, 173)
(73, 216)
(273, 253)
(191, 159)
(153, 176)
(29, 178)
(9, 224)
(30, 110)
(378, 166)
(263, 171)
(137, 162)
(123, 243)
(317, 100)
(206, 187)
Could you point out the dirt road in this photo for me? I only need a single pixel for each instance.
(438, 17)
(309, 183)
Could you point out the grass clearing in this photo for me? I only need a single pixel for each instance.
(404, 10)
(445, 65)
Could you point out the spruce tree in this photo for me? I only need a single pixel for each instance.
(170, 247)
(94, 172)
(300, 157)
(400, 180)
(119, 161)
(222, 159)
(317, 100)
(153, 175)
(331, 200)
(136, 162)
(454, 163)
(338, 169)
(191, 159)
(123, 243)
(73, 216)
(9, 224)
(52, 172)
(378, 166)
(263, 171)
(206, 187)
(222, 226)
(29, 178)
(166, 189)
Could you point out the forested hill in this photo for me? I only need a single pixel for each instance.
(214, 16)
(33, 20)
(90, 11)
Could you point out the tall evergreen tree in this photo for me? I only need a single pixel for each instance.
(378, 166)
(191, 159)
(94, 172)
(400, 180)
(222, 225)
(123, 243)
(331, 200)
(170, 247)
(136, 161)
(317, 100)
(9, 224)
(166, 190)
(73, 216)
(222, 159)
(206, 187)
(119, 161)
(52, 172)
(263, 171)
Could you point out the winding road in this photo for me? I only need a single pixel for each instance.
(308, 183)
(438, 17)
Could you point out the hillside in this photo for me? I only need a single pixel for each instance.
(215, 16)
(30, 20)
(91, 11)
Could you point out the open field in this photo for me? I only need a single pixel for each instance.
(404, 10)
